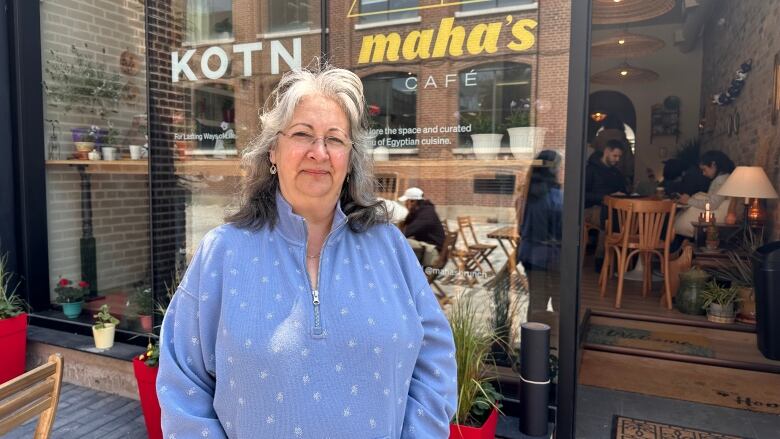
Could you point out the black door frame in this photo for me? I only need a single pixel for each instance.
(22, 129)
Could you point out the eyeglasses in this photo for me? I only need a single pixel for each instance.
(305, 139)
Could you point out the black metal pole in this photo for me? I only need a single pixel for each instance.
(87, 243)
(534, 379)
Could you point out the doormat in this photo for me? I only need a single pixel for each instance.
(662, 341)
(632, 428)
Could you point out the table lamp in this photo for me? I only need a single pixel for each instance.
(749, 182)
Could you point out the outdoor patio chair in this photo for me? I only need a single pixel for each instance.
(34, 393)
(434, 272)
(482, 250)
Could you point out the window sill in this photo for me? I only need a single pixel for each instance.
(467, 150)
(518, 8)
(215, 42)
(397, 151)
(83, 343)
(388, 23)
(288, 33)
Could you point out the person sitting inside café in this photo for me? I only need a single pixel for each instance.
(714, 165)
(681, 179)
(422, 226)
(602, 178)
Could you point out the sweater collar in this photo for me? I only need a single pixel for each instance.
(293, 226)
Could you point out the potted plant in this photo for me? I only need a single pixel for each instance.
(70, 296)
(145, 368)
(524, 138)
(738, 271)
(13, 325)
(719, 302)
(142, 305)
(712, 241)
(485, 141)
(478, 401)
(104, 328)
(108, 142)
(84, 139)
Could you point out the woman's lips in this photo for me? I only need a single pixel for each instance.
(315, 172)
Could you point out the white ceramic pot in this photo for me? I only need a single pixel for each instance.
(525, 141)
(486, 146)
(94, 155)
(104, 337)
(109, 153)
(135, 152)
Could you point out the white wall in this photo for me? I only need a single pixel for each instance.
(680, 75)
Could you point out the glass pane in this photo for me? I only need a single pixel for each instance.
(208, 20)
(96, 161)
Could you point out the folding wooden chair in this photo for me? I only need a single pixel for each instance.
(36, 392)
(482, 250)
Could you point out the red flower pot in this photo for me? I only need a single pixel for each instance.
(486, 431)
(146, 377)
(13, 339)
(146, 322)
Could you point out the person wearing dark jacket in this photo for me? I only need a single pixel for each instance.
(681, 180)
(422, 226)
(602, 178)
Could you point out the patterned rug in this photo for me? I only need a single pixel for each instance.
(632, 428)
(678, 343)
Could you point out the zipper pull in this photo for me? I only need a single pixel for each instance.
(316, 299)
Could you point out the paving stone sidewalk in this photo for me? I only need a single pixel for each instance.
(89, 414)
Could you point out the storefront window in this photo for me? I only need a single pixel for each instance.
(372, 11)
(288, 15)
(209, 20)
(392, 104)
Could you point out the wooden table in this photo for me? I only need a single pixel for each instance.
(508, 234)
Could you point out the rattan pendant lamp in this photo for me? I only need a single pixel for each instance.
(628, 11)
(624, 73)
(626, 45)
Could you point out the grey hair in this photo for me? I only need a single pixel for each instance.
(257, 197)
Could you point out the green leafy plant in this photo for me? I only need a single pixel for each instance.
(111, 136)
(68, 292)
(152, 355)
(717, 294)
(104, 318)
(476, 394)
(739, 268)
(82, 84)
(142, 302)
(518, 117)
(11, 304)
(481, 122)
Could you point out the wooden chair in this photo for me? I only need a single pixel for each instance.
(434, 271)
(36, 392)
(482, 250)
(641, 225)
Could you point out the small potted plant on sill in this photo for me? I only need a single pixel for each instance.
(524, 138)
(104, 328)
(486, 143)
(108, 142)
(719, 302)
(13, 325)
(84, 138)
(739, 272)
(478, 402)
(71, 296)
(142, 304)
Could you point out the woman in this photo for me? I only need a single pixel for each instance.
(307, 314)
(540, 227)
(714, 165)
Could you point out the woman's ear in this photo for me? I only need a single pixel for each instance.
(272, 155)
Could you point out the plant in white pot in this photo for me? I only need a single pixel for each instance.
(524, 138)
(719, 302)
(104, 328)
(486, 143)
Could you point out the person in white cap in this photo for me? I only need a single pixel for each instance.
(422, 226)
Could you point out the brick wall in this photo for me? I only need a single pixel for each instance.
(749, 31)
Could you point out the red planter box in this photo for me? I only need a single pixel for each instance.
(13, 339)
(487, 431)
(146, 377)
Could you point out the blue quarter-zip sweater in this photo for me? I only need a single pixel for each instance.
(249, 350)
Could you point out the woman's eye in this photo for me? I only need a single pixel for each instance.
(302, 135)
(334, 141)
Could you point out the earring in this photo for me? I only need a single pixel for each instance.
(273, 168)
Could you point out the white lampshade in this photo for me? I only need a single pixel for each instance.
(748, 182)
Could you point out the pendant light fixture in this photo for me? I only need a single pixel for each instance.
(624, 73)
(628, 11)
(626, 45)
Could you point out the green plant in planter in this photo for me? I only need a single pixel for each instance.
(104, 318)
(152, 355)
(519, 117)
(714, 293)
(142, 302)
(11, 304)
(481, 122)
(68, 292)
(476, 395)
(739, 268)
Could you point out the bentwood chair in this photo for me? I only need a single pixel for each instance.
(645, 228)
(434, 272)
(34, 393)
